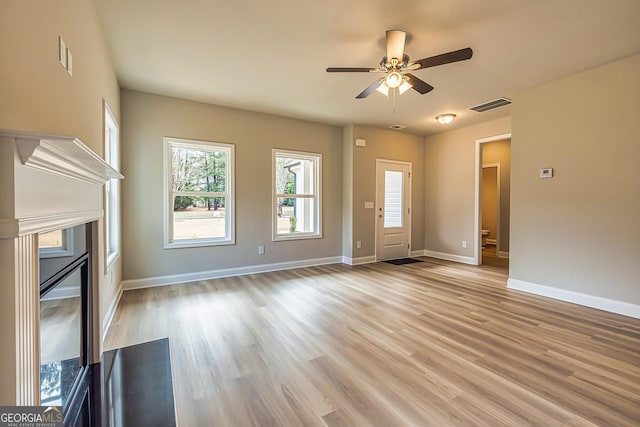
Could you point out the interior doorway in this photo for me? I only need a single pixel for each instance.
(492, 200)
(393, 209)
(490, 206)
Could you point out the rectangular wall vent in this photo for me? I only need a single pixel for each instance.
(500, 102)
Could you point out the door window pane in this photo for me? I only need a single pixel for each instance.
(393, 194)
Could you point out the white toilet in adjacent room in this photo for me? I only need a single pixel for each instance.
(485, 233)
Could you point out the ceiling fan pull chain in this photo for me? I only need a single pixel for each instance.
(393, 99)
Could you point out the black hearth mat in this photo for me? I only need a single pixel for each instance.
(139, 378)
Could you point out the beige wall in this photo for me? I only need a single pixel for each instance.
(579, 230)
(36, 92)
(499, 152)
(450, 186)
(146, 119)
(390, 145)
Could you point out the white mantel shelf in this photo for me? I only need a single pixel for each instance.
(49, 182)
(62, 155)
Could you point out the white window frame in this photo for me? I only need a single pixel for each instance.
(60, 251)
(111, 189)
(228, 194)
(316, 158)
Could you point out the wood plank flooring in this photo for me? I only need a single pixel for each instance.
(425, 344)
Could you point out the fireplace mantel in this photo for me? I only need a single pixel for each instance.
(47, 182)
(52, 176)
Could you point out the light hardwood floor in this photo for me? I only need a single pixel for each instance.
(427, 344)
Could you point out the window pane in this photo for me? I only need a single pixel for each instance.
(295, 176)
(296, 215)
(393, 199)
(52, 239)
(198, 217)
(198, 170)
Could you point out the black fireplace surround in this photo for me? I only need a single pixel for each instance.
(132, 386)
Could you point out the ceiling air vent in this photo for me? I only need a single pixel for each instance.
(397, 127)
(500, 102)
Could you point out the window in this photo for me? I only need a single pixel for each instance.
(55, 244)
(112, 187)
(296, 195)
(199, 193)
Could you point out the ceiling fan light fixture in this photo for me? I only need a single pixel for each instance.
(444, 119)
(404, 86)
(383, 89)
(393, 79)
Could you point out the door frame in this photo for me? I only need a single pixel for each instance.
(477, 223)
(408, 198)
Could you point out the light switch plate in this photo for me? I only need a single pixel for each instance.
(368, 205)
(361, 142)
(62, 52)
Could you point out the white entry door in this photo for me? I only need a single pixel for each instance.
(393, 209)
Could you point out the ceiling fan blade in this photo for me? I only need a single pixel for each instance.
(368, 91)
(445, 58)
(395, 44)
(419, 85)
(351, 70)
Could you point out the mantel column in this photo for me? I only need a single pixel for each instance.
(20, 318)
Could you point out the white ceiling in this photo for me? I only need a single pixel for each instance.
(270, 56)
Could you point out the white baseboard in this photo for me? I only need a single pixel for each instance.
(111, 311)
(359, 261)
(450, 257)
(503, 254)
(613, 306)
(419, 252)
(225, 272)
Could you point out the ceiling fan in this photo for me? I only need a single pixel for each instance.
(396, 64)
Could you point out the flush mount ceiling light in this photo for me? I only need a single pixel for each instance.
(444, 119)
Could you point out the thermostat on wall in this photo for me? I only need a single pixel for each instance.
(546, 173)
(361, 142)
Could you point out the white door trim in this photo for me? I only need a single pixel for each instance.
(477, 228)
(408, 196)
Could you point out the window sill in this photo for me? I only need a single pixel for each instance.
(55, 253)
(297, 236)
(197, 243)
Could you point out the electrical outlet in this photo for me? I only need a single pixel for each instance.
(260, 249)
(358, 244)
(464, 243)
